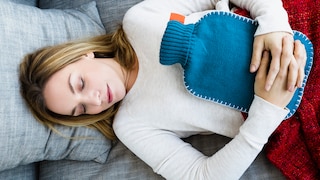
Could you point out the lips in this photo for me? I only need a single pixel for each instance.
(109, 95)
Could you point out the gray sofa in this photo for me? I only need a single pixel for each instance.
(28, 150)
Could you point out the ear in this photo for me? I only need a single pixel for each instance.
(90, 55)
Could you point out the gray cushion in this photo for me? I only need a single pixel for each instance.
(24, 29)
(111, 11)
(121, 164)
(24, 172)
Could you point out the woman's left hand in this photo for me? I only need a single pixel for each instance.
(278, 93)
(281, 47)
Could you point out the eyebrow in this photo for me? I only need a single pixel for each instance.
(72, 90)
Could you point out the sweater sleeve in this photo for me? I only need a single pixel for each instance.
(270, 15)
(172, 158)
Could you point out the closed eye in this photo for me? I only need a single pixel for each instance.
(84, 109)
(83, 106)
(82, 85)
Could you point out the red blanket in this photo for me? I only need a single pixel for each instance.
(295, 146)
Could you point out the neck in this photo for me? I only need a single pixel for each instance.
(131, 76)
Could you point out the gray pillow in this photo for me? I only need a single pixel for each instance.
(111, 11)
(26, 2)
(23, 140)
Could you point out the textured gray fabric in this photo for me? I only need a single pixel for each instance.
(23, 172)
(122, 164)
(111, 11)
(24, 29)
(26, 2)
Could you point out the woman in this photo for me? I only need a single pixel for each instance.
(83, 83)
(37, 69)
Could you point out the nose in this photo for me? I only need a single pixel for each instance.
(92, 98)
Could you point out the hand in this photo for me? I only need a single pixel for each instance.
(278, 93)
(280, 45)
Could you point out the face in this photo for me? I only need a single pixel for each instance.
(88, 86)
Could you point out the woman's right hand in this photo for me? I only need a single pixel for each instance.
(279, 94)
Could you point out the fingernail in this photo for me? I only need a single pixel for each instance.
(253, 68)
(267, 87)
(290, 88)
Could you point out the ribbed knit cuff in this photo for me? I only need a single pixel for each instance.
(175, 43)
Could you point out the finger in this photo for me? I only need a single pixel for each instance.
(288, 63)
(264, 65)
(293, 75)
(258, 48)
(301, 57)
(274, 66)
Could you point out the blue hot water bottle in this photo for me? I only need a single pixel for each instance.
(215, 54)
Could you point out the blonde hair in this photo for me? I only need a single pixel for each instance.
(38, 67)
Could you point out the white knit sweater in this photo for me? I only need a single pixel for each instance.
(158, 110)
